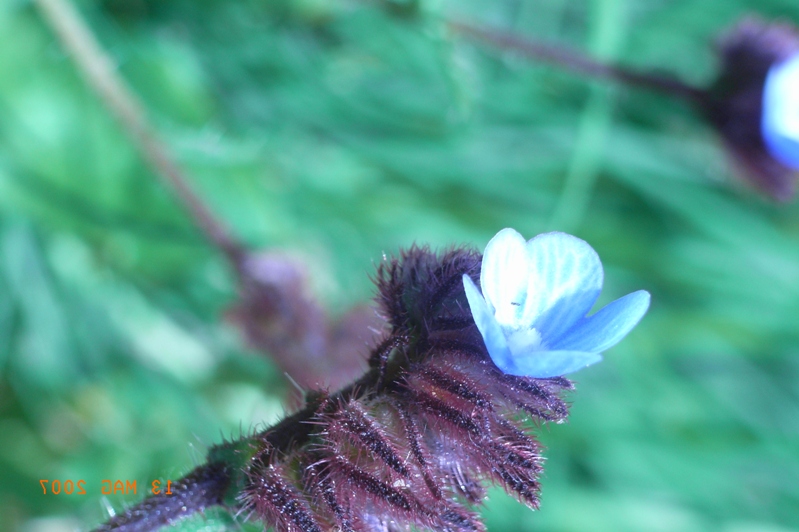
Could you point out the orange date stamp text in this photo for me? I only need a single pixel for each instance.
(107, 487)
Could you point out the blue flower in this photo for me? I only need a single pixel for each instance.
(780, 121)
(536, 294)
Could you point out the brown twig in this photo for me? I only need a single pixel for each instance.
(578, 62)
(100, 73)
(274, 312)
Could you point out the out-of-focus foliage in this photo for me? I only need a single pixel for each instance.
(340, 130)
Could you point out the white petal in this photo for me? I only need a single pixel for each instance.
(564, 281)
(488, 326)
(780, 122)
(543, 364)
(503, 276)
(607, 327)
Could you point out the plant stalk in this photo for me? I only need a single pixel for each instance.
(100, 73)
(580, 63)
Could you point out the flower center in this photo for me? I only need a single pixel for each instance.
(524, 340)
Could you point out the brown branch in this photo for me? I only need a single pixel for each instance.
(581, 63)
(100, 73)
(274, 312)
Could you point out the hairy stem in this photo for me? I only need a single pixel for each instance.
(204, 487)
(213, 483)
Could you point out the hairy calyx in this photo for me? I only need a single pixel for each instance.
(411, 444)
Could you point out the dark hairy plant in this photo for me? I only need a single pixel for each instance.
(410, 444)
(735, 103)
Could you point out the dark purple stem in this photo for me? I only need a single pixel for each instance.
(204, 487)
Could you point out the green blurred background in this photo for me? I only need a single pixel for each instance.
(340, 130)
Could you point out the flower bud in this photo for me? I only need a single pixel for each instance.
(754, 103)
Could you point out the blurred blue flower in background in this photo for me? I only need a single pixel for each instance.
(780, 123)
(535, 297)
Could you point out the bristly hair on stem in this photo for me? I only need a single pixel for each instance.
(410, 445)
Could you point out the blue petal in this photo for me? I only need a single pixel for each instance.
(488, 326)
(564, 280)
(607, 327)
(503, 276)
(780, 122)
(543, 364)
